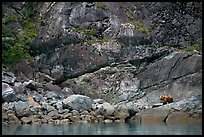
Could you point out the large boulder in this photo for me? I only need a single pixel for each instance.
(50, 87)
(22, 109)
(193, 103)
(8, 77)
(153, 115)
(184, 111)
(106, 109)
(78, 102)
(8, 93)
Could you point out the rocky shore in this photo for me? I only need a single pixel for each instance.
(101, 62)
(110, 94)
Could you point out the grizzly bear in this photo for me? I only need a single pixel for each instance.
(166, 99)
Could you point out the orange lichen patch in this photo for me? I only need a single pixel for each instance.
(32, 102)
(166, 99)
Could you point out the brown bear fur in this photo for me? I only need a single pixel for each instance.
(166, 99)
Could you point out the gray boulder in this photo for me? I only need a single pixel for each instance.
(50, 87)
(22, 109)
(188, 104)
(8, 77)
(31, 85)
(51, 95)
(8, 94)
(78, 102)
(106, 108)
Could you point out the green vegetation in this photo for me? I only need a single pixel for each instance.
(15, 44)
(99, 41)
(166, 46)
(101, 5)
(15, 53)
(9, 17)
(196, 46)
(130, 15)
(88, 32)
(139, 26)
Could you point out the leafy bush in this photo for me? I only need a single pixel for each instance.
(15, 53)
(138, 26)
(99, 41)
(101, 5)
(130, 15)
(88, 32)
(15, 46)
(9, 17)
(196, 46)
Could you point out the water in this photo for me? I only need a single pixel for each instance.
(103, 129)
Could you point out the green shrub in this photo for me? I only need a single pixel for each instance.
(101, 5)
(9, 17)
(15, 53)
(130, 15)
(139, 26)
(88, 32)
(99, 41)
(196, 46)
(15, 46)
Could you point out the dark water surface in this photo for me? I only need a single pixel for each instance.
(103, 129)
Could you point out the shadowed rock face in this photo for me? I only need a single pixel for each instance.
(75, 60)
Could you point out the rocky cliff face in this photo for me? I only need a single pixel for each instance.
(130, 32)
(126, 53)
